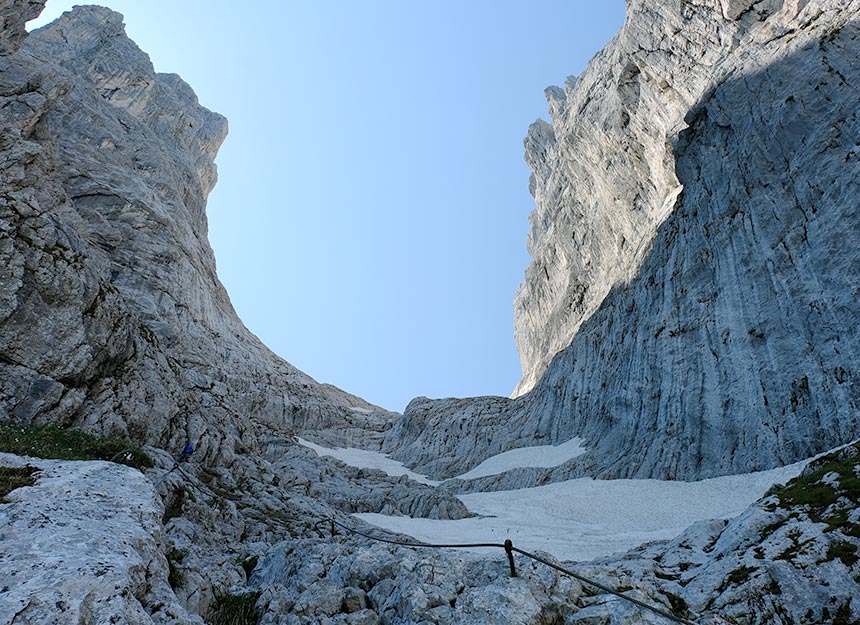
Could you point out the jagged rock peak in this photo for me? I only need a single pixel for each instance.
(92, 42)
(602, 194)
(14, 14)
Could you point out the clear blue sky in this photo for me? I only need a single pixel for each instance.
(371, 213)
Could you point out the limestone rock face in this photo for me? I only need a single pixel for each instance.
(696, 194)
(14, 14)
(111, 568)
(348, 583)
(604, 171)
(111, 312)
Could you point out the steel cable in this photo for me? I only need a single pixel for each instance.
(508, 548)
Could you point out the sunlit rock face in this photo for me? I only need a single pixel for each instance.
(85, 545)
(604, 170)
(692, 305)
(111, 312)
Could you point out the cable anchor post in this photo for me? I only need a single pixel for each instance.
(509, 549)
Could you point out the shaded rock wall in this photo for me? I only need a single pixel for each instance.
(721, 337)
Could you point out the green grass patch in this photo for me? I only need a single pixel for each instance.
(816, 496)
(48, 441)
(230, 609)
(12, 478)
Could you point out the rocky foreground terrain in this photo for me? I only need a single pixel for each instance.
(691, 310)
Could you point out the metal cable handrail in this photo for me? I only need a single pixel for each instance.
(507, 546)
(509, 550)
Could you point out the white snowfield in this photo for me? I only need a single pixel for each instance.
(579, 519)
(584, 519)
(365, 459)
(543, 456)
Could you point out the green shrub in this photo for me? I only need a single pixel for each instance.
(679, 606)
(248, 565)
(48, 441)
(740, 574)
(843, 614)
(174, 560)
(230, 609)
(845, 551)
(173, 507)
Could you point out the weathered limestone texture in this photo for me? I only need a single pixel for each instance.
(793, 557)
(111, 312)
(340, 583)
(94, 557)
(14, 14)
(697, 198)
(112, 318)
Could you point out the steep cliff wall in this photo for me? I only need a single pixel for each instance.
(604, 172)
(697, 196)
(111, 312)
(112, 318)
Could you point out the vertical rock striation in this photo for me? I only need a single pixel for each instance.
(692, 306)
(691, 311)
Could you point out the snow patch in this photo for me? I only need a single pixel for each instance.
(365, 459)
(541, 456)
(583, 519)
